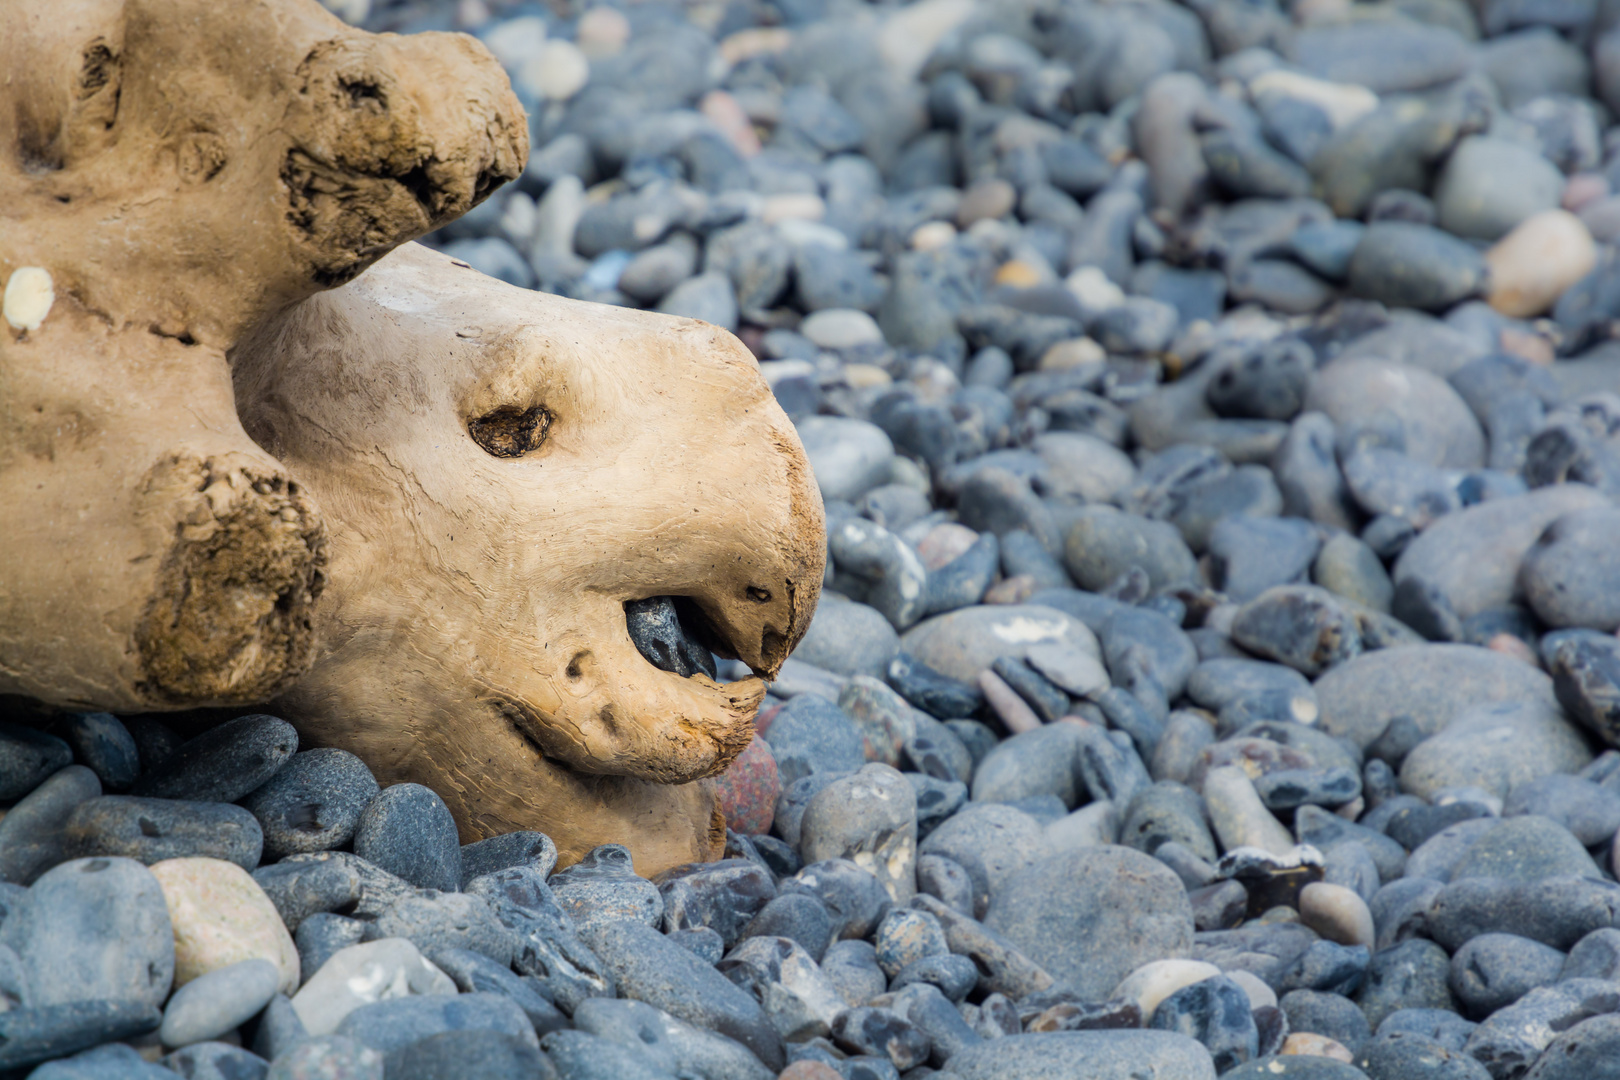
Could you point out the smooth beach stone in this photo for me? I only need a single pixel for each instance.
(884, 719)
(960, 644)
(223, 763)
(1242, 691)
(852, 967)
(408, 831)
(1337, 913)
(321, 936)
(1349, 568)
(1238, 816)
(1494, 747)
(675, 1046)
(896, 582)
(93, 930)
(220, 917)
(1104, 543)
(1494, 970)
(1409, 265)
(604, 887)
(1570, 574)
(1595, 956)
(849, 457)
(811, 736)
(216, 1061)
(151, 830)
(1526, 848)
(218, 1001)
(300, 885)
(1513, 1038)
(432, 921)
(1556, 911)
(104, 744)
(1537, 262)
(797, 997)
(870, 819)
(1435, 424)
(647, 967)
(848, 638)
(853, 896)
(1093, 915)
(1589, 811)
(522, 848)
(1252, 554)
(1167, 812)
(313, 803)
(1490, 184)
(495, 1055)
(329, 1057)
(797, 917)
(395, 1023)
(578, 1055)
(906, 935)
(1039, 762)
(361, 975)
(31, 833)
(1428, 684)
(1473, 555)
(27, 758)
(1585, 668)
(1085, 1055)
(1587, 1051)
(1331, 1015)
(1216, 1012)
(992, 842)
(1443, 1026)
(1302, 626)
(36, 1034)
(1406, 1055)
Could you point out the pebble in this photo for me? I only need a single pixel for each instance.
(31, 833)
(218, 1001)
(408, 831)
(1093, 915)
(330, 1057)
(313, 803)
(522, 848)
(870, 819)
(604, 887)
(27, 758)
(93, 930)
(224, 763)
(1085, 1055)
(1495, 747)
(961, 644)
(151, 830)
(1538, 260)
(103, 744)
(221, 917)
(1337, 913)
(433, 921)
(364, 974)
(498, 1055)
(811, 736)
(1153, 982)
(1568, 574)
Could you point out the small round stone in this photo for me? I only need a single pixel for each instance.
(408, 831)
(218, 1002)
(1337, 913)
(221, 917)
(313, 804)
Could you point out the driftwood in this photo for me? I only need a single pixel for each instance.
(502, 471)
(172, 173)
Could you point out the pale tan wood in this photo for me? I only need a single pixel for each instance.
(472, 631)
(183, 169)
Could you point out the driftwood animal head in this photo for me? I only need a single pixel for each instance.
(503, 472)
(172, 172)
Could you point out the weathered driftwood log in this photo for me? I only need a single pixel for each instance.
(171, 173)
(502, 472)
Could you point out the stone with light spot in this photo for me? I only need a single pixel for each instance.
(870, 819)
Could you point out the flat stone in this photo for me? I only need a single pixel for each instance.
(724, 896)
(1495, 747)
(1427, 684)
(27, 758)
(992, 842)
(218, 1001)
(396, 1023)
(1093, 915)
(1569, 574)
(433, 921)
(151, 830)
(961, 644)
(39, 1033)
(32, 839)
(362, 975)
(329, 1057)
(523, 848)
(1085, 1055)
(648, 967)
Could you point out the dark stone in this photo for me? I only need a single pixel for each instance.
(31, 834)
(1333, 1015)
(1494, 970)
(151, 830)
(27, 758)
(321, 935)
(106, 746)
(655, 628)
(549, 950)
(933, 693)
(1411, 975)
(216, 1061)
(393, 1024)
(488, 1055)
(475, 972)
(880, 1033)
(853, 896)
(648, 967)
(32, 1035)
(724, 896)
(509, 849)
(408, 831)
(223, 763)
(301, 885)
(313, 803)
(433, 921)
(1302, 626)
(799, 917)
(1217, 1013)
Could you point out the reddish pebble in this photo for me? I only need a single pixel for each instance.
(1584, 188)
(748, 790)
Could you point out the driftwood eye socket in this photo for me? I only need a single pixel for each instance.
(510, 432)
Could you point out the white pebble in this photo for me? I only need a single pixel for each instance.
(1337, 913)
(1151, 983)
(558, 71)
(29, 296)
